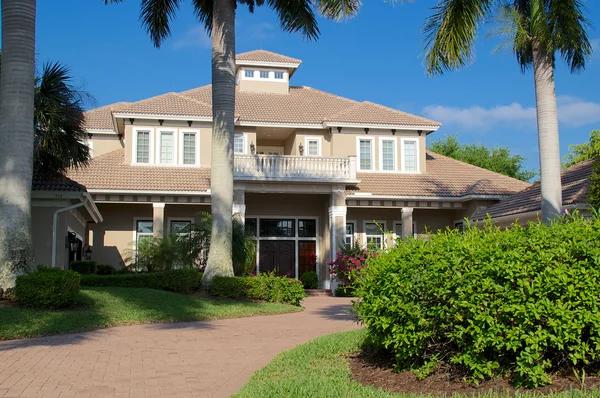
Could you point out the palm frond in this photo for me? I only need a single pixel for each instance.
(568, 23)
(156, 16)
(59, 122)
(451, 31)
(338, 9)
(204, 12)
(296, 16)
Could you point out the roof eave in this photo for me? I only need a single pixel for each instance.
(429, 128)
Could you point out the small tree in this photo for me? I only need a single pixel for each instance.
(580, 152)
(594, 187)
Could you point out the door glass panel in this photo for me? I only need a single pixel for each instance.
(277, 228)
(307, 228)
(250, 226)
(307, 256)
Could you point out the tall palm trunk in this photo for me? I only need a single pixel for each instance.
(223, 106)
(547, 120)
(16, 138)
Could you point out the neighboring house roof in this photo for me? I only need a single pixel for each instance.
(444, 177)
(266, 56)
(575, 181)
(58, 183)
(301, 105)
(109, 171)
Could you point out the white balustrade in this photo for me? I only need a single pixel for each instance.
(284, 167)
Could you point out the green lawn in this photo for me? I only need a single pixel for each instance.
(320, 369)
(112, 306)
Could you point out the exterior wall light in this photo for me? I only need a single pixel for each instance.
(252, 148)
(301, 149)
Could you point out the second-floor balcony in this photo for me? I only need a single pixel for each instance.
(295, 168)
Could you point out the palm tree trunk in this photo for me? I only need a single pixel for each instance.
(547, 120)
(223, 108)
(16, 139)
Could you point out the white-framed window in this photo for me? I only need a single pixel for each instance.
(249, 73)
(387, 154)
(313, 146)
(180, 226)
(264, 74)
(239, 144)
(189, 147)
(90, 144)
(166, 144)
(350, 231)
(143, 146)
(374, 232)
(365, 153)
(278, 76)
(410, 155)
(459, 224)
(143, 230)
(398, 232)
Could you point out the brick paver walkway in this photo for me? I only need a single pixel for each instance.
(197, 359)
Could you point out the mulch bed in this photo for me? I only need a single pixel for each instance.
(377, 371)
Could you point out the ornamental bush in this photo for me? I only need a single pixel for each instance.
(310, 280)
(84, 267)
(178, 280)
(266, 287)
(105, 269)
(350, 261)
(519, 303)
(48, 288)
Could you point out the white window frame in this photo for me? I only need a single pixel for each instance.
(402, 141)
(358, 140)
(237, 135)
(186, 219)
(134, 145)
(159, 133)
(180, 145)
(460, 222)
(353, 237)
(268, 72)
(396, 223)
(90, 144)
(392, 139)
(319, 145)
(282, 75)
(271, 72)
(244, 77)
(135, 233)
(366, 237)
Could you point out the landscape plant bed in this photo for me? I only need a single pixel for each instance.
(377, 371)
(102, 307)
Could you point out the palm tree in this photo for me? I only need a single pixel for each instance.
(539, 30)
(59, 122)
(218, 17)
(16, 139)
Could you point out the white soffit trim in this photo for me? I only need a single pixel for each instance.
(163, 117)
(381, 126)
(146, 192)
(265, 63)
(426, 198)
(279, 124)
(100, 132)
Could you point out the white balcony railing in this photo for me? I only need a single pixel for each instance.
(294, 168)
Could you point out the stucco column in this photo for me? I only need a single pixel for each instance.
(407, 222)
(158, 219)
(337, 227)
(239, 205)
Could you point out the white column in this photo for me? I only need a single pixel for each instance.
(337, 231)
(158, 219)
(407, 222)
(239, 205)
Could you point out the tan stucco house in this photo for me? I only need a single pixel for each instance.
(311, 171)
(526, 206)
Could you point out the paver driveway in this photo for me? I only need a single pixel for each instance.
(197, 359)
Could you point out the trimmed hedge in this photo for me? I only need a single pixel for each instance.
(48, 288)
(177, 280)
(84, 267)
(516, 303)
(105, 269)
(310, 280)
(263, 287)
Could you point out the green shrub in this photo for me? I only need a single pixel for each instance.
(84, 267)
(178, 280)
(265, 287)
(48, 288)
(310, 280)
(344, 291)
(517, 303)
(105, 269)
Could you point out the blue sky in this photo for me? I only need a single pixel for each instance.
(376, 56)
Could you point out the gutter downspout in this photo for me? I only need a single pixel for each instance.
(55, 226)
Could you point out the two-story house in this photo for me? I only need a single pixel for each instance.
(312, 170)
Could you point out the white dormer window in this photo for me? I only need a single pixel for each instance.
(365, 154)
(143, 146)
(313, 146)
(189, 143)
(410, 155)
(166, 145)
(387, 151)
(264, 74)
(249, 73)
(278, 75)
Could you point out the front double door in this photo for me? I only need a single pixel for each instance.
(278, 256)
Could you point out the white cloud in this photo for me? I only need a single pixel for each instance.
(195, 36)
(572, 111)
(595, 47)
(261, 31)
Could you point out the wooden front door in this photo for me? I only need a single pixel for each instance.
(278, 256)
